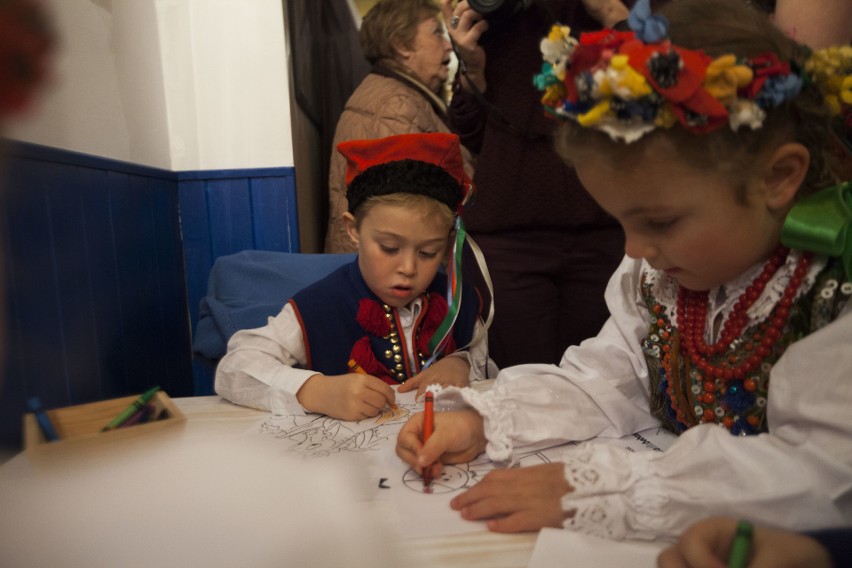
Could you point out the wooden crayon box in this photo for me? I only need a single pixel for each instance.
(85, 422)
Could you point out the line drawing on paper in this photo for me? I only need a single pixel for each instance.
(464, 476)
(313, 436)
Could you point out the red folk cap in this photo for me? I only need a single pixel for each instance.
(438, 148)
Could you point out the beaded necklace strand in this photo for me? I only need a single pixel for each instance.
(727, 364)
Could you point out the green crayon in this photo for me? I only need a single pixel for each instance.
(741, 546)
(132, 409)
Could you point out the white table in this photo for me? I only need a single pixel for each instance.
(187, 496)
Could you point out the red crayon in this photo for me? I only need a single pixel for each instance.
(428, 426)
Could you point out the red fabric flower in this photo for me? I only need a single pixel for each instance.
(434, 316)
(605, 39)
(362, 353)
(687, 93)
(26, 40)
(373, 318)
(765, 66)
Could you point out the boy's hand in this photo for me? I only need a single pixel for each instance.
(517, 500)
(448, 372)
(352, 397)
(457, 438)
(707, 543)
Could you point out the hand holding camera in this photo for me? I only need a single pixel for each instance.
(465, 27)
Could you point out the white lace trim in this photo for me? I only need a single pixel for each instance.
(721, 300)
(605, 497)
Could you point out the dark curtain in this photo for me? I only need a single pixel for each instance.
(328, 65)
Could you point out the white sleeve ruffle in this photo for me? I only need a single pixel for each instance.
(798, 476)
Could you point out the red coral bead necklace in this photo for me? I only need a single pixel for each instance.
(692, 319)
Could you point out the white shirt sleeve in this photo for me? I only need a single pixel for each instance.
(598, 389)
(797, 476)
(262, 366)
(260, 369)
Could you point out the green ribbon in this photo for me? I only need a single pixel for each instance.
(822, 223)
(454, 276)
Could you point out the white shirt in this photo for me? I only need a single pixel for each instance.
(797, 476)
(264, 367)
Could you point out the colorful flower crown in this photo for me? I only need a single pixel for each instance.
(629, 83)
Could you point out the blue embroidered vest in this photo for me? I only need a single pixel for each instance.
(328, 314)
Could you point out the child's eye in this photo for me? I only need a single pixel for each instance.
(660, 224)
(388, 250)
(428, 254)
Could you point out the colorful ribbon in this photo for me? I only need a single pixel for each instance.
(454, 295)
(821, 223)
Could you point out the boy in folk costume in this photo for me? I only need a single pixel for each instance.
(389, 317)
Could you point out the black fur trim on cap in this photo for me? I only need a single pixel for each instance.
(404, 176)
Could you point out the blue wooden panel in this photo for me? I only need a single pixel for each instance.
(274, 213)
(96, 297)
(195, 226)
(229, 204)
(105, 264)
(227, 211)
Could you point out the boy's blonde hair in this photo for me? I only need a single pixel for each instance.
(431, 209)
(720, 27)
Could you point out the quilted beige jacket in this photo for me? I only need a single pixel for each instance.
(380, 106)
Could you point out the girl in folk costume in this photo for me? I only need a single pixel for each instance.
(702, 131)
(389, 317)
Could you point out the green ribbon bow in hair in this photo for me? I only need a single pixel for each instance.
(822, 223)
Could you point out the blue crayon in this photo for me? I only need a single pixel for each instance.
(43, 419)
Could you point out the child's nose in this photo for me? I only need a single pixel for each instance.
(637, 247)
(407, 264)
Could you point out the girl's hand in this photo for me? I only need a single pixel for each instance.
(518, 499)
(457, 437)
(448, 372)
(352, 397)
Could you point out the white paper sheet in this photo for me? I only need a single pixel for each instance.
(314, 436)
(557, 548)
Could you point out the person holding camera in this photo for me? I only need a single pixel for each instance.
(550, 249)
(405, 43)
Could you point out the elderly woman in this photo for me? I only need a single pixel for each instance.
(405, 42)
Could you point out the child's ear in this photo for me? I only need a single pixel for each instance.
(351, 227)
(784, 174)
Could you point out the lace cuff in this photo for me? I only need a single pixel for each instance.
(615, 493)
(496, 418)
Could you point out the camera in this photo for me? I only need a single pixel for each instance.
(499, 10)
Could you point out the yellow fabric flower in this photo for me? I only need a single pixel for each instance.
(594, 115)
(625, 81)
(553, 94)
(846, 90)
(724, 77)
(831, 70)
(666, 117)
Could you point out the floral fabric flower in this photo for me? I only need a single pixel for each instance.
(628, 83)
(724, 78)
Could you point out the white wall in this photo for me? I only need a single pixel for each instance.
(174, 84)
